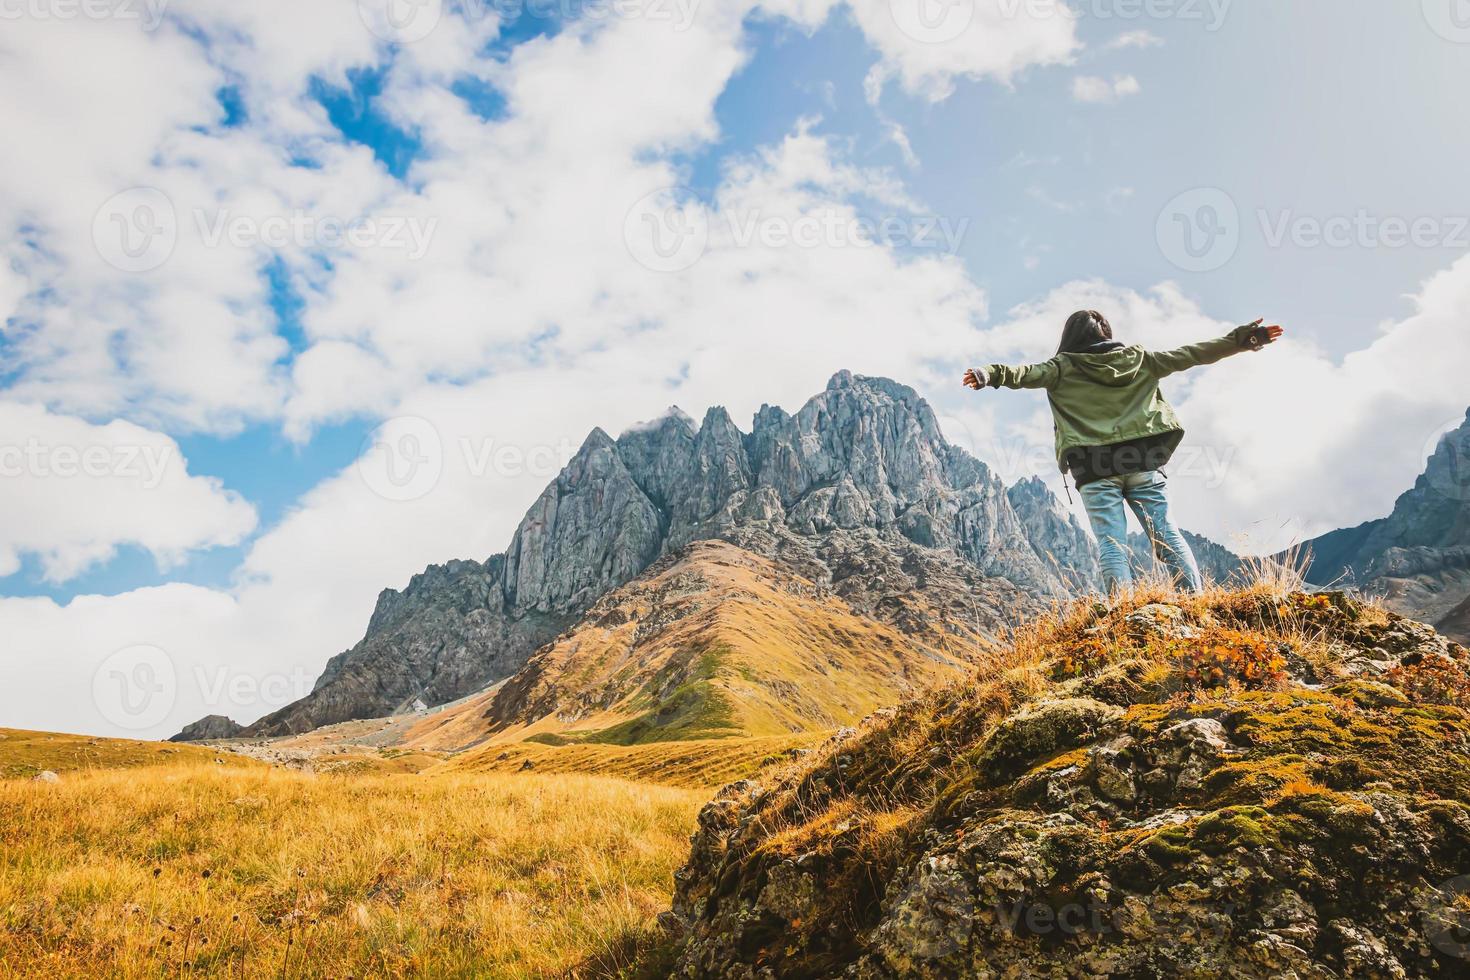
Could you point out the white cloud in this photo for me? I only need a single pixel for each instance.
(54, 655)
(1116, 198)
(110, 107)
(892, 129)
(71, 493)
(929, 46)
(1094, 90)
(1044, 197)
(516, 203)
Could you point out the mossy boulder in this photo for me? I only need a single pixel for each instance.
(1102, 807)
(1040, 731)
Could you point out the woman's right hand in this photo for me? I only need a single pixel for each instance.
(971, 381)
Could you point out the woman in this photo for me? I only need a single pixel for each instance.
(1115, 432)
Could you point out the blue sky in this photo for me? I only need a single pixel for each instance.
(1051, 149)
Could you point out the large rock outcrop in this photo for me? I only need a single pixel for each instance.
(208, 727)
(1248, 786)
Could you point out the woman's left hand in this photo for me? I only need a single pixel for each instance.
(971, 381)
(1272, 333)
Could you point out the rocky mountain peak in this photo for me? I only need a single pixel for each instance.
(842, 379)
(1055, 531)
(769, 416)
(863, 457)
(717, 418)
(674, 420)
(657, 456)
(1439, 502)
(877, 434)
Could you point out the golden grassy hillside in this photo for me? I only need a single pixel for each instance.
(707, 763)
(176, 865)
(453, 727)
(25, 754)
(721, 643)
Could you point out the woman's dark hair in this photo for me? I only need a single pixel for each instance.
(1084, 328)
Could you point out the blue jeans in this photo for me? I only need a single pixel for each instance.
(1146, 494)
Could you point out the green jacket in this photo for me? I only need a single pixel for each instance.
(1111, 397)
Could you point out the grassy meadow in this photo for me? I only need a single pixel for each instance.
(171, 863)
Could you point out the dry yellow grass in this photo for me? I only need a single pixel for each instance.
(24, 754)
(707, 763)
(249, 871)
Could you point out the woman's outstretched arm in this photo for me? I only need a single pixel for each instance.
(1250, 337)
(1043, 375)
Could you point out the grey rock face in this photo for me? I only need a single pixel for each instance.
(210, 726)
(1055, 534)
(1418, 557)
(887, 577)
(716, 473)
(591, 529)
(857, 484)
